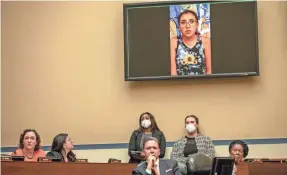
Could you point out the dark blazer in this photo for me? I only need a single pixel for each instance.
(58, 155)
(166, 167)
(135, 141)
(55, 154)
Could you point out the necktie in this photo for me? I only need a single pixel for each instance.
(155, 170)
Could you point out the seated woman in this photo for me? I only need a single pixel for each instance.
(147, 127)
(192, 143)
(29, 146)
(238, 149)
(62, 147)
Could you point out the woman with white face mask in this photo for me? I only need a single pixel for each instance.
(147, 128)
(192, 143)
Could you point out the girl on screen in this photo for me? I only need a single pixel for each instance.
(190, 53)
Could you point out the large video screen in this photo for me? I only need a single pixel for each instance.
(190, 39)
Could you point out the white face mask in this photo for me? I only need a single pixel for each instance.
(190, 128)
(146, 123)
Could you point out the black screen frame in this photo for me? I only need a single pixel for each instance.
(126, 6)
(18, 158)
(217, 161)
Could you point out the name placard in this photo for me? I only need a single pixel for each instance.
(81, 160)
(6, 158)
(44, 159)
(114, 161)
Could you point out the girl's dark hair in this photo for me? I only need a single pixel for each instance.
(187, 12)
(38, 139)
(153, 122)
(243, 144)
(196, 120)
(58, 143)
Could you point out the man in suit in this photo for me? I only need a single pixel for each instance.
(153, 165)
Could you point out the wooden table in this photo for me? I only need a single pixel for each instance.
(59, 168)
(262, 169)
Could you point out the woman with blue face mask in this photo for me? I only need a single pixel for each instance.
(192, 143)
(147, 128)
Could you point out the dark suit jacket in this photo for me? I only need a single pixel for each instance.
(166, 167)
(58, 155)
(135, 141)
(55, 154)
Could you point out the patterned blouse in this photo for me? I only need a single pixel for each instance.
(190, 61)
(204, 145)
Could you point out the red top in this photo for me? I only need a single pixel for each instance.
(37, 154)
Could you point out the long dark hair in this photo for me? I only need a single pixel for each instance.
(38, 139)
(58, 143)
(153, 122)
(196, 120)
(191, 12)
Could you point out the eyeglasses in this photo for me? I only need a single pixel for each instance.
(191, 22)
